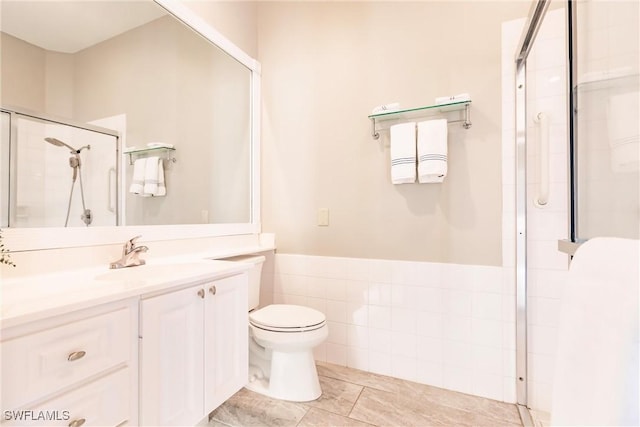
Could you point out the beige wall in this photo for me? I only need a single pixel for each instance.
(325, 65)
(22, 73)
(236, 20)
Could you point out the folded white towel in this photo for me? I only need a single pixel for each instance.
(461, 97)
(386, 108)
(403, 153)
(137, 180)
(162, 189)
(623, 111)
(432, 151)
(151, 175)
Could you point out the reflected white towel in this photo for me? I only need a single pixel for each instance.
(624, 131)
(432, 151)
(151, 175)
(162, 190)
(137, 180)
(403, 153)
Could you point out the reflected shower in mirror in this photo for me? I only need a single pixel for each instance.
(54, 184)
(133, 69)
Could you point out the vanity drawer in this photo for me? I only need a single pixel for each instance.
(102, 402)
(41, 363)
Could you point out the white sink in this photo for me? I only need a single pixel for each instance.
(152, 272)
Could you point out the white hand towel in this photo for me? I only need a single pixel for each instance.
(137, 180)
(151, 175)
(432, 151)
(403, 153)
(162, 190)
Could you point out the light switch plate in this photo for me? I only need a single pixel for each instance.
(323, 217)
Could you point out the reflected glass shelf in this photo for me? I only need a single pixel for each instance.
(151, 150)
(629, 82)
(148, 150)
(417, 111)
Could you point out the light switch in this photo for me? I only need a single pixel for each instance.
(323, 217)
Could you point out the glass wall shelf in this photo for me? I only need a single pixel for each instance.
(429, 110)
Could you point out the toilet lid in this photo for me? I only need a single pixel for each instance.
(286, 317)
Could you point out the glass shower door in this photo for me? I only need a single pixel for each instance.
(606, 124)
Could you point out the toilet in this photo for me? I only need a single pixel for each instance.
(281, 342)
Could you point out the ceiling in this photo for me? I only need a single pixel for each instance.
(70, 26)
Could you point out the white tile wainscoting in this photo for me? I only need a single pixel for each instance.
(446, 325)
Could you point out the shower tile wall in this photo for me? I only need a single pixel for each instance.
(547, 268)
(446, 325)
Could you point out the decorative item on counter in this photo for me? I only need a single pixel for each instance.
(5, 258)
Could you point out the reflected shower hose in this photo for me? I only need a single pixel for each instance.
(74, 162)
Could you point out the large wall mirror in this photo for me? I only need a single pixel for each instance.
(153, 119)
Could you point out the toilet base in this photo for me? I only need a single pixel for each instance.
(292, 377)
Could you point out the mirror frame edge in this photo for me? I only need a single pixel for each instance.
(33, 239)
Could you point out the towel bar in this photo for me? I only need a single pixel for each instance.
(421, 112)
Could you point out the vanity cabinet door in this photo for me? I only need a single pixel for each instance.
(171, 358)
(226, 342)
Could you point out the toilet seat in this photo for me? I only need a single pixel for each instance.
(287, 318)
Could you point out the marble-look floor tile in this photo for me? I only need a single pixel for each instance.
(337, 396)
(320, 418)
(480, 406)
(356, 398)
(385, 408)
(363, 378)
(397, 409)
(247, 408)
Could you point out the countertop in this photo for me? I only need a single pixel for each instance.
(35, 297)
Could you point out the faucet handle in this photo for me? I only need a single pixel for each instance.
(133, 240)
(129, 245)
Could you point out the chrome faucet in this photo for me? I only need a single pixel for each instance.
(130, 255)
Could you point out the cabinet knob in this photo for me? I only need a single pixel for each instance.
(77, 422)
(75, 356)
(201, 293)
(212, 290)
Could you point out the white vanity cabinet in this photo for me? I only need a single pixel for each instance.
(73, 369)
(193, 350)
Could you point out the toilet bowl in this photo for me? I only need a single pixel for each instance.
(281, 342)
(281, 363)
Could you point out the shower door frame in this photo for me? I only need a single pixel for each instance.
(534, 22)
(11, 184)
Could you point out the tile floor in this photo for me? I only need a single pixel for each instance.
(357, 398)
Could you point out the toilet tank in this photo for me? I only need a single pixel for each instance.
(255, 275)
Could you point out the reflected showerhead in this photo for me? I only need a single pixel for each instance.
(59, 143)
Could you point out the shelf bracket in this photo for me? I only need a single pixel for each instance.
(374, 134)
(467, 117)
